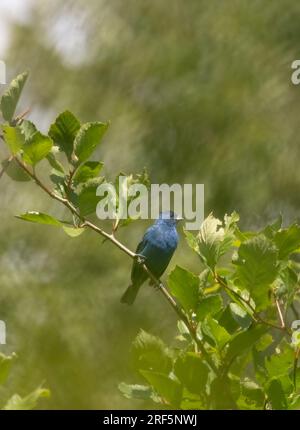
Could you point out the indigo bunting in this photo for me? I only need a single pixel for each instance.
(156, 248)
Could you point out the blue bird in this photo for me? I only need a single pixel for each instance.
(157, 247)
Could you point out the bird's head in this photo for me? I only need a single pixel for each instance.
(168, 218)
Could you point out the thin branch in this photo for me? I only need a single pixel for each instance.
(255, 316)
(280, 313)
(116, 242)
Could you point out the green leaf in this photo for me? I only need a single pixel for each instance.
(169, 389)
(55, 163)
(243, 341)
(150, 353)
(227, 321)
(17, 402)
(134, 391)
(88, 138)
(87, 199)
(264, 342)
(252, 392)
(257, 268)
(28, 129)
(63, 132)
(184, 285)
(276, 394)
(294, 403)
(281, 363)
(11, 96)
(209, 305)
(14, 171)
(5, 365)
(13, 138)
(184, 334)
(88, 170)
(40, 218)
(214, 238)
(37, 148)
(287, 241)
(192, 241)
(73, 231)
(215, 332)
(240, 315)
(192, 372)
(270, 230)
(221, 393)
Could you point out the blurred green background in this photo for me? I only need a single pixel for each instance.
(197, 92)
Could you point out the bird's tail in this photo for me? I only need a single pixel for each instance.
(130, 294)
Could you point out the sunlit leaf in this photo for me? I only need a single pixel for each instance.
(13, 138)
(192, 372)
(5, 365)
(214, 238)
(257, 267)
(209, 305)
(73, 231)
(87, 198)
(184, 285)
(287, 240)
(135, 391)
(88, 170)
(55, 163)
(14, 171)
(150, 353)
(37, 148)
(169, 389)
(88, 138)
(216, 334)
(10, 98)
(28, 402)
(40, 218)
(63, 132)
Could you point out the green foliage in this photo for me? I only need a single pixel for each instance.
(36, 148)
(14, 171)
(244, 355)
(39, 218)
(10, 98)
(76, 182)
(188, 296)
(88, 138)
(15, 401)
(214, 239)
(63, 132)
(13, 138)
(235, 348)
(28, 402)
(87, 171)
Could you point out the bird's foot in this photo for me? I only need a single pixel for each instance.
(141, 259)
(158, 285)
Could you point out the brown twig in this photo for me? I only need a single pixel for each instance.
(282, 322)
